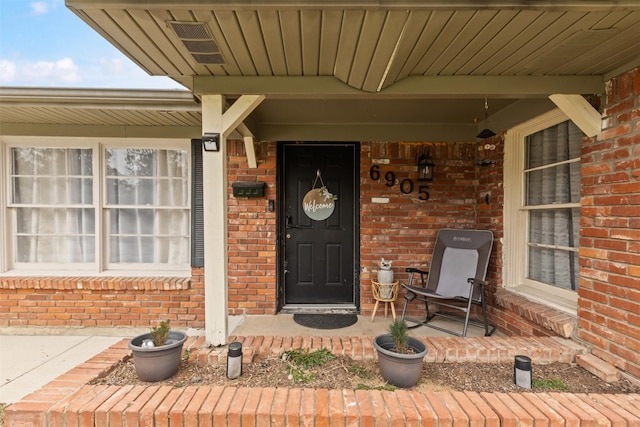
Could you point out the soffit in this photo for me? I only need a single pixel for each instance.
(62, 110)
(377, 51)
(369, 45)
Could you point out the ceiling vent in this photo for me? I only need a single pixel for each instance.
(196, 39)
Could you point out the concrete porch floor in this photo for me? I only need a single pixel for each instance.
(68, 400)
(284, 325)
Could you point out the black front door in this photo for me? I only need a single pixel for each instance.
(318, 227)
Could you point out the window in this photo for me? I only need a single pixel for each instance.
(542, 209)
(147, 205)
(67, 213)
(52, 199)
(552, 193)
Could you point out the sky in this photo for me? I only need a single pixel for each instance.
(43, 44)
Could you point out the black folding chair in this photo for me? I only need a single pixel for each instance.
(455, 280)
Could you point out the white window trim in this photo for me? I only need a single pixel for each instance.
(4, 220)
(515, 214)
(98, 269)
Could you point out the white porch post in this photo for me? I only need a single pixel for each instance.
(214, 176)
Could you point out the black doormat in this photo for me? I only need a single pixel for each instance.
(325, 321)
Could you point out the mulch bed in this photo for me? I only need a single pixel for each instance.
(345, 373)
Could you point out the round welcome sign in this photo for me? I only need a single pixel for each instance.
(318, 204)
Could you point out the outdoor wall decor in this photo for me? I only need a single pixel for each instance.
(406, 185)
(425, 166)
(318, 204)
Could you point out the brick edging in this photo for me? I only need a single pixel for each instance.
(69, 400)
(96, 283)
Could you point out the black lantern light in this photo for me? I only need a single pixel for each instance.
(425, 167)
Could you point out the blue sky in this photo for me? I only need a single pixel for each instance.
(43, 44)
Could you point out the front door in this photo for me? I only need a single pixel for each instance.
(318, 223)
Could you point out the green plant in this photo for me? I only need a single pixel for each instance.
(160, 333)
(385, 387)
(301, 376)
(306, 358)
(302, 359)
(550, 384)
(360, 371)
(398, 330)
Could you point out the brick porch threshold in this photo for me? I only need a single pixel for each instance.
(69, 401)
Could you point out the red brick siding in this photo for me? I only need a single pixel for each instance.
(609, 294)
(403, 230)
(252, 233)
(101, 302)
(489, 215)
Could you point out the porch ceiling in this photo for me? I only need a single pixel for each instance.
(366, 69)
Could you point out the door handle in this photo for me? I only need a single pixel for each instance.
(289, 222)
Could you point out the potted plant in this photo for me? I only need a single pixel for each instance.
(399, 355)
(157, 354)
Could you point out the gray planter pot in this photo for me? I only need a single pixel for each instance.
(401, 370)
(157, 363)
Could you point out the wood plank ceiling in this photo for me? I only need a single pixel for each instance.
(403, 67)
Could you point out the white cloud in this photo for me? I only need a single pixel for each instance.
(46, 73)
(7, 71)
(39, 8)
(120, 72)
(65, 72)
(112, 65)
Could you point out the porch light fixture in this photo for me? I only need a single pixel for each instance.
(486, 133)
(211, 141)
(425, 166)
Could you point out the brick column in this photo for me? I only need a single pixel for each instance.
(609, 294)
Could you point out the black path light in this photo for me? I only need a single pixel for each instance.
(234, 360)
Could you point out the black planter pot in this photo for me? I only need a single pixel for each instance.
(157, 363)
(401, 370)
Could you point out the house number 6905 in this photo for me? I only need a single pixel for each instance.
(406, 185)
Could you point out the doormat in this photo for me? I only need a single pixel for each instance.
(325, 321)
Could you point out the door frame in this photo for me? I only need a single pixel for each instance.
(280, 220)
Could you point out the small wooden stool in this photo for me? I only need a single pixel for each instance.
(386, 293)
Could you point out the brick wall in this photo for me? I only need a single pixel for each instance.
(252, 233)
(609, 294)
(403, 229)
(101, 302)
(489, 214)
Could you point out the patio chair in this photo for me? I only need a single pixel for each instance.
(455, 280)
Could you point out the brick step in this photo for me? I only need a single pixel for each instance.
(541, 350)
